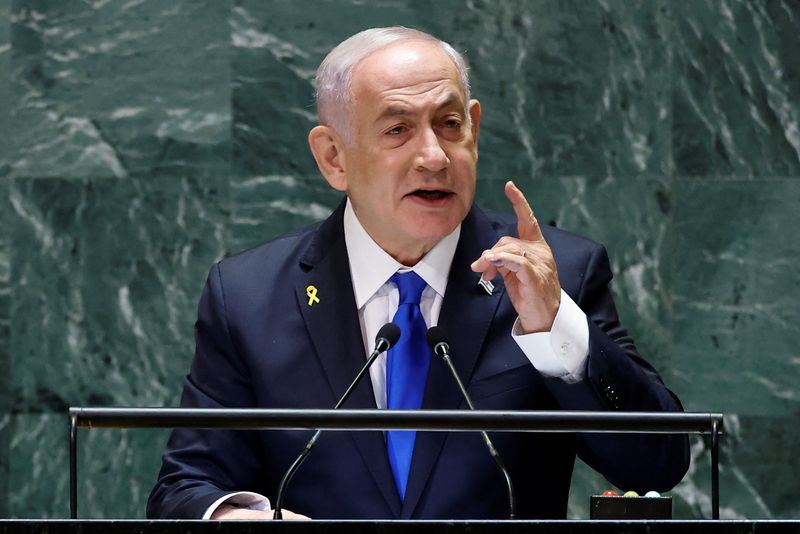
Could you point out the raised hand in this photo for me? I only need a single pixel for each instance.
(527, 266)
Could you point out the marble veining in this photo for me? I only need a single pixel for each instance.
(141, 141)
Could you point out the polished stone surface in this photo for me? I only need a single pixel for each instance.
(736, 320)
(106, 276)
(143, 140)
(119, 89)
(115, 468)
(735, 89)
(5, 251)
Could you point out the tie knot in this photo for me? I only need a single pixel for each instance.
(410, 285)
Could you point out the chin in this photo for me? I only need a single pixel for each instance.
(433, 230)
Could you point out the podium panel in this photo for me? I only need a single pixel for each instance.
(397, 527)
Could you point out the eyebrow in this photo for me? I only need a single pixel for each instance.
(395, 111)
(403, 111)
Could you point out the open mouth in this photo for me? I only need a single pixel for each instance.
(434, 194)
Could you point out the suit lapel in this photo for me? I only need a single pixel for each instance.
(467, 313)
(332, 321)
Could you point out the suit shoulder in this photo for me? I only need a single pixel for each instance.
(272, 257)
(557, 238)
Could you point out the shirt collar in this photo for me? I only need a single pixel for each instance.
(371, 266)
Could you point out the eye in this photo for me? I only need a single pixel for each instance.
(396, 130)
(452, 124)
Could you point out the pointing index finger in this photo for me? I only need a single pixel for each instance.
(527, 225)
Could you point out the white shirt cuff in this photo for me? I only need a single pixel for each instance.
(563, 351)
(241, 499)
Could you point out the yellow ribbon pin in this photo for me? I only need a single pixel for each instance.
(311, 292)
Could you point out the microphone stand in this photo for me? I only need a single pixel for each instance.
(442, 348)
(385, 340)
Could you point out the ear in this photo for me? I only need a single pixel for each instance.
(326, 146)
(475, 117)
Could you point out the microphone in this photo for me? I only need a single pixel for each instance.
(439, 344)
(387, 336)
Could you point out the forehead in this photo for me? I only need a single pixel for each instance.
(405, 70)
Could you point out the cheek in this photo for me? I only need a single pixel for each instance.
(381, 164)
(464, 171)
(396, 163)
(462, 154)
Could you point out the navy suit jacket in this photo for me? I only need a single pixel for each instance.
(260, 344)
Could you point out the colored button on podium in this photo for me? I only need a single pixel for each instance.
(630, 506)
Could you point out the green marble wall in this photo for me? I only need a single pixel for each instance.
(142, 140)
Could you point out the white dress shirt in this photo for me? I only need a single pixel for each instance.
(560, 353)
(377, 299)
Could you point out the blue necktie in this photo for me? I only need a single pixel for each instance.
(406, 372)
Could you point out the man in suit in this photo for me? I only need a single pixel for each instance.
(288, 324)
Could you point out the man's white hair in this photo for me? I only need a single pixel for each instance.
(334, 77)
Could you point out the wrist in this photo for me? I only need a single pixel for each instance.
(223, 511)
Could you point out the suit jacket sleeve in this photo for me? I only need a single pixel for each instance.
(618, 378)
(200, 466)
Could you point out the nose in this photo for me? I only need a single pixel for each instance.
(430, 157)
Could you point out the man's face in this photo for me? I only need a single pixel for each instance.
(410, 165)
